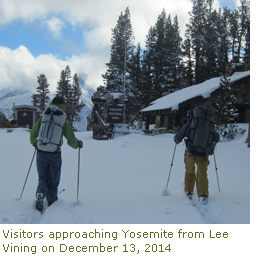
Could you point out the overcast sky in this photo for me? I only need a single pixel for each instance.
(43, 36)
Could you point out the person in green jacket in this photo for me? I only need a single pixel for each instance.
(49, 162)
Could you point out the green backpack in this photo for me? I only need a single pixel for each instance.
(200, 141)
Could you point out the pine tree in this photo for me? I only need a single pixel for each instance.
(116, 78)
(35, 100)
(233, 29)
(206, 34)
(217, 37)
(155, 44)
(188, 76)
(77, 104)
(64, 85)
(71, 93)
(244, 24)
(226, 114)
(64, 90)
(173, 69)
(100, 92)
(162, 64)
(196, 29)
(211, 40)
(238, 29)
(244, 10)
(135, 75)
(223, 43)
(40, 100)
(147, 88)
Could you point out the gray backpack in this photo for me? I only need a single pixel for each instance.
(50, 132)
(200, 141)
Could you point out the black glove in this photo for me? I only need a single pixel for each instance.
(175, 140)
(80, 143)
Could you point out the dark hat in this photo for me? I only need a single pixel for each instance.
(190, 113)
(58, 100)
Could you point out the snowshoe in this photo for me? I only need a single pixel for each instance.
(39, 202)
(203, 199)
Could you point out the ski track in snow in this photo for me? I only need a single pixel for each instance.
(209, 214)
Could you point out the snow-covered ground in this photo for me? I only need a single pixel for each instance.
(121, 182)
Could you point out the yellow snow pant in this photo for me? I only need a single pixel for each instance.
(199, 177)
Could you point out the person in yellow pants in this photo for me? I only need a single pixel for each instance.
(201, 180)
(195, 160)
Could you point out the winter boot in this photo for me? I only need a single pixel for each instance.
(203, 199)
(39, 202)
(189, 195)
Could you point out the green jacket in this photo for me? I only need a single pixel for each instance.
(67, 132)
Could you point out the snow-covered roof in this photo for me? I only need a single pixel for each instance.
(24, 107)
(204, 89)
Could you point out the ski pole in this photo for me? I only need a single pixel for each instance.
(78, 180)
(28, 173)
(166, 192)
(216, 172)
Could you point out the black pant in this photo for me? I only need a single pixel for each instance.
(49, 172)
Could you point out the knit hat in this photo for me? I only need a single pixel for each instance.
(58, 101)
(190, 113)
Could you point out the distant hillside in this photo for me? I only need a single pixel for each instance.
(10, 98)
